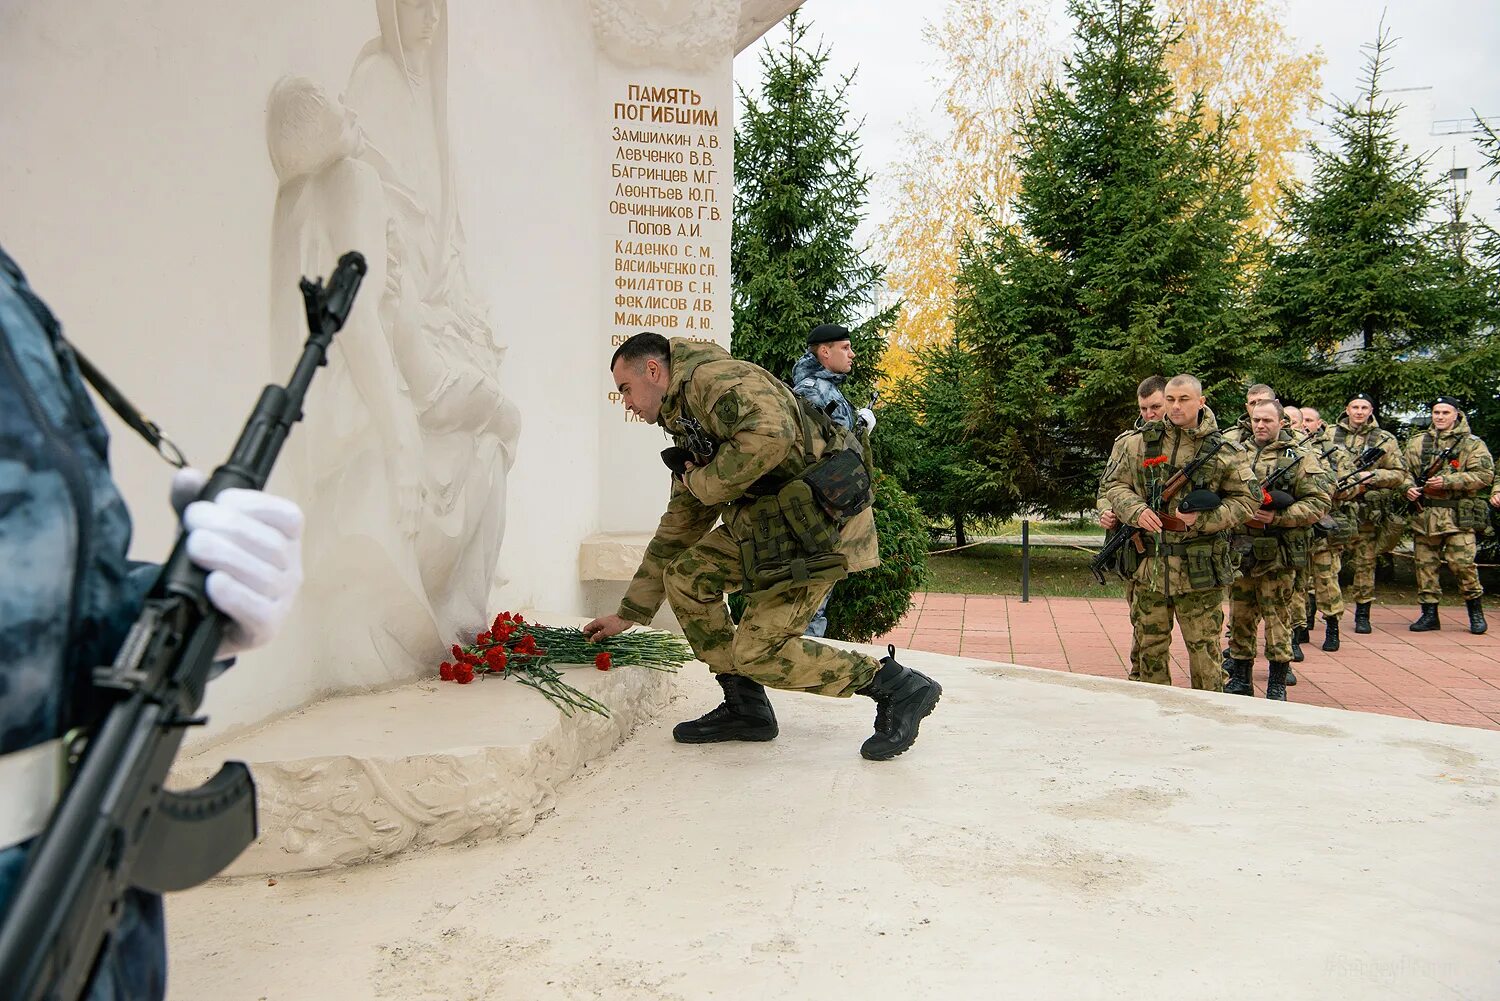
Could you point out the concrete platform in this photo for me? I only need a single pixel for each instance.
(1051, 835)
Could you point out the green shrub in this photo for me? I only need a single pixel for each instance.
(870, 603)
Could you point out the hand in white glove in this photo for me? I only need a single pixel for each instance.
(250, 542)
(867, 418)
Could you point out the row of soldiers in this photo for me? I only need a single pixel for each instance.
(1266, 511)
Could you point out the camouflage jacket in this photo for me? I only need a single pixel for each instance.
(756, 421)
(1387, 477)
(1307, 482)
(1333, 457)
(1467, 474)
(1130, 480)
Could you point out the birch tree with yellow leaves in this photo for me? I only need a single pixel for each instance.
(994, 54)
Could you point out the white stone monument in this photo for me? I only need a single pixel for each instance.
(530, 183)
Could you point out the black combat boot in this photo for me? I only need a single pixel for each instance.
(1429, 620)
(1362, 617)
(1276, 685)
(1291, 679)
(1239, 677)
(1330, 633)
(1299, 637)
(745, 714)
(1312, 617)
(903, 698)
(1477, 625)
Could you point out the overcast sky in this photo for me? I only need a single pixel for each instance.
(1449, 46)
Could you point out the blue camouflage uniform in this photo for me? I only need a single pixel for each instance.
(69, 595)
(820, 387)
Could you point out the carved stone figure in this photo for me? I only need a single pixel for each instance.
(681, 34)
(407, 486)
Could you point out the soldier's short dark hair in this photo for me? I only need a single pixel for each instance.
(1258, 389)
(1150, 386)
(1273, 402)
(640, 347)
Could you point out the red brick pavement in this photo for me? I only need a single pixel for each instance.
(1449, 676)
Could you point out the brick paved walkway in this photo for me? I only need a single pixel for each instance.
(1447, 677)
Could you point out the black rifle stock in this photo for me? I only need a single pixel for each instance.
(116, 827)
(1126, 535)
(1438, 462)
(1350, 481)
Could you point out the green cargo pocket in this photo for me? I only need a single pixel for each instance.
(1472, 514)
(773, 557)
(1294, 544)
(841, 484)
(813, 529)
(1202, 571)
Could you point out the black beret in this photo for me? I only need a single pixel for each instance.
(1362, 396)
(827, 333)
(1448, 400)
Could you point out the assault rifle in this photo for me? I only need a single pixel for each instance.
(1441, 460)
(1272, 497)
(698, 447)
(116, 827)
(1351, 485)
(1131, 535)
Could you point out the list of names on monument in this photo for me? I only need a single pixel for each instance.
(667, 167)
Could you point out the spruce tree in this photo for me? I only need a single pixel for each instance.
(799, 197)
(1129, 258)
(1374, 285)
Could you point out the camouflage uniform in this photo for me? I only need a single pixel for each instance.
(1188, 580)
(1101, 504)
(1444, 530)
(692, 565)
(69, 595)
(1265, 587)
(1326, 549)
(1372, 510)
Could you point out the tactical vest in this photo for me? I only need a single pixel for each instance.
(1274, 548)
(1470, 512)
(1206, 557)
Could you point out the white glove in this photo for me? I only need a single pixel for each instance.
(866, 417)
(250, 542)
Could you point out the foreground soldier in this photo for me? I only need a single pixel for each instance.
(762, 441)
(1297, 612)
(1369, 502)
(1184, 571)
(69, 595)
(1151, 402)
(1327, 543)
(1272, 545)
(1452, 471)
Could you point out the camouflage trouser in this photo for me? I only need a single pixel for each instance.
(1253, 599)
(1361, 553)
(1325, 580)
(1457, 550)
(1200, 616)
(768, 646)
(1135, 653)
(1296, 601)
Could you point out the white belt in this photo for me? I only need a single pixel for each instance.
(31, 783)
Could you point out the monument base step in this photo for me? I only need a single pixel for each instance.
(359, 777)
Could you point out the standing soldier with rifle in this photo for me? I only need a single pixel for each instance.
(1452, 471)
(1297, 613)
(1151, 403)
(1272, 543)
(78, 915)
(1369, 499)
(1329, 533)
(1182, 564)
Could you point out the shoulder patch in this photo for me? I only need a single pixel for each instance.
(727, 410)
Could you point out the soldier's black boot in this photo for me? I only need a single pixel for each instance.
(1312, 617)
(1330, 633)
(1299, 637)
(1362, 617)
(745, 714)
(1429, 620)
(1276, 685)
(1291, 679)
(1239, 677)
(1477, 625)
(903, 698)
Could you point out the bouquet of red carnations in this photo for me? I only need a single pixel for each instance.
(525, 651)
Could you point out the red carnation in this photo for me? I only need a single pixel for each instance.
(1453, 463)
(518, 620)
(601, 661)
(458, 652)
(464, 674)
(482, 638)
(446, 671)
(495, 658)
(1158, 460)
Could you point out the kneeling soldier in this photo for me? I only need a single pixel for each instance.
(1452, 471)
(1272, 544)
(794, 495)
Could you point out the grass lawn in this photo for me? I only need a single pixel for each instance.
(993, 568)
